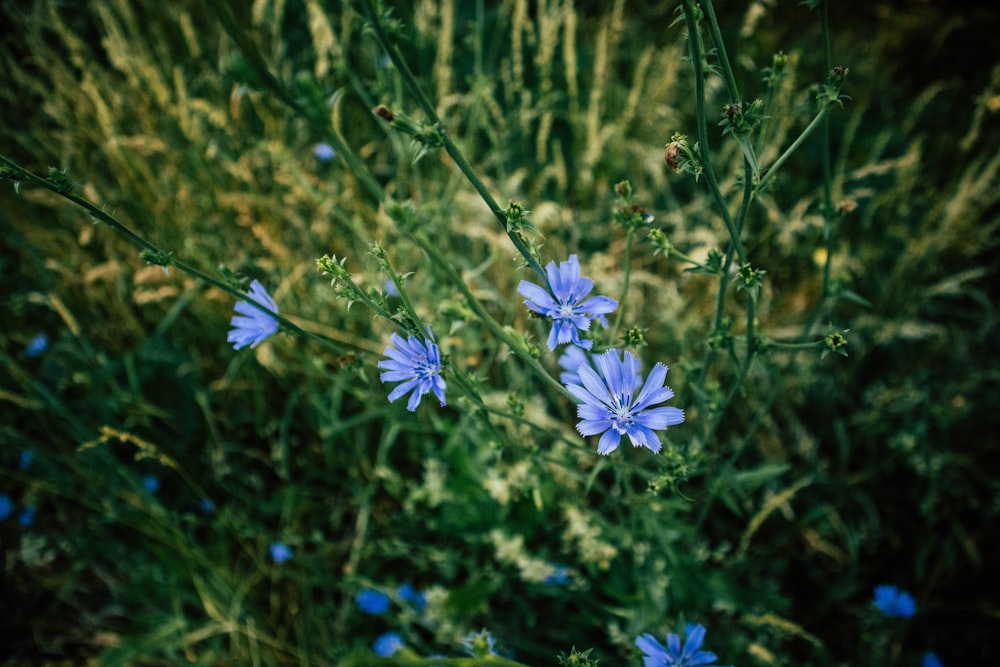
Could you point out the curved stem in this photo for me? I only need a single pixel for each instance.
(791, 149)
(622, 303)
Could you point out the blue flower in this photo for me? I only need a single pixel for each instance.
(206, 506)
(387, 644)
(566, 305)
(571, 360)
(390, 288)
(280, 552)
(373, 602)
(26, 456)
(673, 655)
(252, 326)
(931, 659)
(37, 345)
(413, 596)
(324, 152)
(893, 602)
(607, 404)
(151, 483)
(6, 507)
(416, 362)
(27, 517)
(558, 577)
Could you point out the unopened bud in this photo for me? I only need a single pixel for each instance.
(382, 112)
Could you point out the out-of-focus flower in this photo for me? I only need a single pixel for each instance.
(931, 659)
(387, 644)
(250, 325)
(413, 596)
(418, 365)
(390, 288)
(36, 346)
(206, 506)
(609, 404)
(27, 517)
(26, 457)
(280, 552)
(479, 644)
(571, 360)
(151, 483)
(676, 653)
(324, 152)
(558, 577)
(567, 305)
(6, 507)
(372, 602)
(893, 602)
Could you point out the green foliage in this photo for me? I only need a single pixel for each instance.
(798, 482)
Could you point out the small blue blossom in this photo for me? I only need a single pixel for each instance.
(893, 602)
(26, 457)
(558, 577)
(418, 365)
(206, 506)
(151, 483)
(252, 326)
(387, 644)
(389, 287)
(36, 346)
(571, 360)
(373, 602)
(413, 596)
(6, 507)
(931, 659)
(479, 644)
(676, 653)
(607, 404)
(567, 305)
(280, 552)
(324, 152)
(27, 517)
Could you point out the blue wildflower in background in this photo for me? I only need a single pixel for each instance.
(558, 577)
(418, 365)
(390, 288)
(570, 311)
(250, 325)
(26, 457)
(607, 405)
(27, 517)
(570, 361)
(893, 602)
(387, 644)
(280, 552)
(372, 602)
(36, 346)
(413, 596)
(931, 659)
(324, 152)
(151, 483)
(6, 507)
(676, 653)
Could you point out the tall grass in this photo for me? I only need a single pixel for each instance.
(798, 482)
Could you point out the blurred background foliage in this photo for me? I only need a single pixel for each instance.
(824, 478)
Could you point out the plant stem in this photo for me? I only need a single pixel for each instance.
(697, 51)
(791, 149)
(449, 146)
(629, 237)
(720, 47)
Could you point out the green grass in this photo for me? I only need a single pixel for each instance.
(798, 482)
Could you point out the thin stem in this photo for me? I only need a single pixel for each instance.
(791, 149)
(622, 303)
(697, 51)
(720, 47)
(449, 146)
(168, 258)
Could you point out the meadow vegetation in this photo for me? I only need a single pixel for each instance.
(827, 309)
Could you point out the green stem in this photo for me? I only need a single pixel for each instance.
(720, 47)
(697, 51)
(143, 244)
(628, 276)
(449, 146)
(791, 149)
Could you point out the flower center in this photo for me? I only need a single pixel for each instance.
(566, 310)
